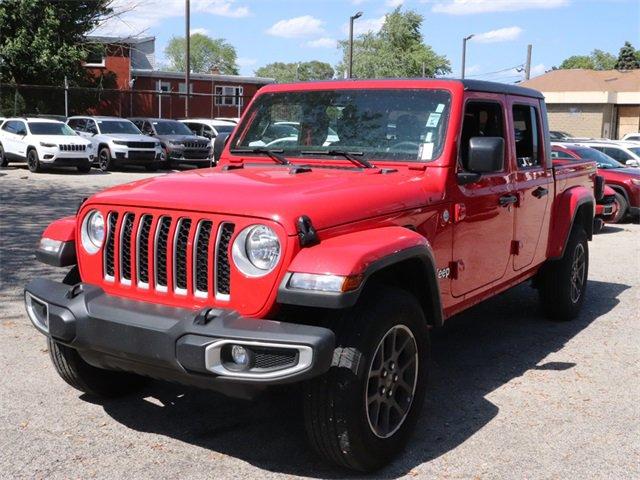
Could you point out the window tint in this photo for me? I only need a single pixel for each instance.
(196, 128)
(526, 132)
(617, 154)
(77, 124)
(146, 128)
(481, 119)
(561, 154)
(9, 126)
(91, 126)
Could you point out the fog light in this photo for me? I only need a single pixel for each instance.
(240, 355)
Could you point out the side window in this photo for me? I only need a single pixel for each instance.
(617, 154)
(481, 119)
(137, 123)
(195, 128)
(21, 128)
(526, 133)
(561, 154)
(91, 127)
(9, 126)
(147, 129)
(78, 124)
(208, 132)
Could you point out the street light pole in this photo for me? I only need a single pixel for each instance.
(187, 60)
(351, 20)
(464, 52)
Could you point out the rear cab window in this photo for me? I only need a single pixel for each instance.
(527, 135)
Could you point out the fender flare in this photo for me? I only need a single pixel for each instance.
(62, 231)
(568, 204)
(364, 253)
(619, 189)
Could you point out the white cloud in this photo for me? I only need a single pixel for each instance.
(467, 7)
(323, 42)
(365, 25)
(499, 35)
(393, 3)
(202, 31)
(139, 16)
(305, 26)
(538, 70)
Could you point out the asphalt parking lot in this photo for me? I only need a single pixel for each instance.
(513, 396)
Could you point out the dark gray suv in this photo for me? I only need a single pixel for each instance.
(180, 145)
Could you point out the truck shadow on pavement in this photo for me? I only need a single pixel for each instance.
(477, 352)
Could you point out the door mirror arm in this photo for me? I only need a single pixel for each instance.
(464, 178)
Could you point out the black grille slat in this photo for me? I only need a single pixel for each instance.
(161, 251)
(180, 257)
(202, 256)
(141, 144)
(223, 271)
(143, 249)
(125, 246)
(109, 264)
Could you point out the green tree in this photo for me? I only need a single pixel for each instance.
(397, 50)
(42, 42)
(206, 54)
(596, 60)
(300, 71)
(628, 58)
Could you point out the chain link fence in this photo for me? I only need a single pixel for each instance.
(23, 100)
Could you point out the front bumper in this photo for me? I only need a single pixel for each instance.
(137, 156)
(176, 344)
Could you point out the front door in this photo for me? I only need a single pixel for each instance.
(484, 210)
(533, 180)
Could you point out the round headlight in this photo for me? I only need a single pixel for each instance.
(93, 231)
(256, 250)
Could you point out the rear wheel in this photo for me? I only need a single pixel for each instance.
(33, 161)
(563, 282)
(623, 206)
(3, 158)
(361, 413)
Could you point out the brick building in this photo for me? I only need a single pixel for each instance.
(139, 89)
(591, 103)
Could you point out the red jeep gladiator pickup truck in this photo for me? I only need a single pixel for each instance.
(321, 253)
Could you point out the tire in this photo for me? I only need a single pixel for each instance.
(84, 168)
(33, 161)
(105, 162)
(623, 206)
(339, 423)
(563, 282)
(3, 158)
(84, 377)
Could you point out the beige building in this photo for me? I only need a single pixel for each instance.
(590, 103)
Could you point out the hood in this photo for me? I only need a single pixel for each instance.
(627, 171)
(329, 197)
(62, 139)
(129, 137)
(182, 138)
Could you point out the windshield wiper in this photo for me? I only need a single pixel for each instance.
(361, 162)
(274, 154)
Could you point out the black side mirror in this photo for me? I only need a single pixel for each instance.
(218, 145)
(486, 155)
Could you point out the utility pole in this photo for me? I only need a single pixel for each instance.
(527, 65)
(464, 52)
(351, 20)
(187, 60)
(66, 97)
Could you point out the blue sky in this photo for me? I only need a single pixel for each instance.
(265, 31)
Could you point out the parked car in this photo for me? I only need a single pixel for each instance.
(632, 137)
(322, 265)
(43, 143)
(179, 144)
(118, 142)
(627, 153)
(205, 127)
(606, 209)
(558, 135)
(233, 120)
(624, 180)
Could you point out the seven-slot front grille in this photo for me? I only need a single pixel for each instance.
(141, 144)
(72, 148)
(169, 253)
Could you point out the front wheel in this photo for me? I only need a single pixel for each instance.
(623, 206)
(33, 161)
(563, 282)
(361, 413)
(105, 162)
(3, 158)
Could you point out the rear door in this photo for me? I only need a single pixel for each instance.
(19, 139)
(533, 178)
(484, 215)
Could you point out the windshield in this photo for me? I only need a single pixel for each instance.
(50, 128)
(602, 160)
(171, 127)
(118, 126)
(397, 125)
(635, 150)
(224, 128)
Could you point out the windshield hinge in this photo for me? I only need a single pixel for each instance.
(299, 169)
(306, 232)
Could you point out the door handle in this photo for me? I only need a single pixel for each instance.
(506, 200)
(540, 192)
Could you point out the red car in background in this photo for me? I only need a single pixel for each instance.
(625, 181)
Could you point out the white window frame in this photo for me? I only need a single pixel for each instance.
(182, 89)
(163, 86)
(234, 93)
(102, 64)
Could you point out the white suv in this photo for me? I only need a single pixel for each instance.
(42, 142)
(206, 127)
(118, 142)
